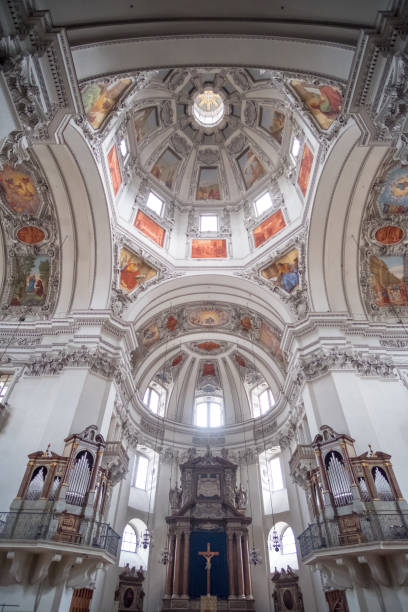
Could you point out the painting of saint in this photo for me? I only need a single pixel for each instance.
(31, 282)
(150, 334)
(393, 197)
(208, 317)
(165, 169)
(284, 272)
(145, 121)
(171, 323)
(19, 191)
(387, 280)
(246, 323)
(389, 234)
(269, 339)
(100, 98)
(272, 122)
(149, 228)
(208, 187)
(251, 168)
(208, 248)
(268, 228)
(133, 270)
(114, 169)
(30, 234)
(305, 169)
(323, 101)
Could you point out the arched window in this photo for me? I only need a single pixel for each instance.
(155, 398)
(208, 412)
(129, 539)
(262, 400)
(286, 555)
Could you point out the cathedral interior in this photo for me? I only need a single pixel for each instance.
(203, 306)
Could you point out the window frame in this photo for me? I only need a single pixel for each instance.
(212, 216)
(130, 526)
(256, 393)
(269, 208)
(299, 140)
(138, 456)
(209, 401)
(162, 394)
(153, 210)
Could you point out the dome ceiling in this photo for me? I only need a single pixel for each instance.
(210, 135)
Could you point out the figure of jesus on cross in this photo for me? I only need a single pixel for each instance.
(208, 555)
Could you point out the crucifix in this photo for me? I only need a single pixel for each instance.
(208, 555)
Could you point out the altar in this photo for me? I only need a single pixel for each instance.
(208, 566)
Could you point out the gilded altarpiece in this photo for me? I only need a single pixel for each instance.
(208, 514)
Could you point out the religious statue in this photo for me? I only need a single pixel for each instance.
(208, 555)
(241, 497)
(175, 496)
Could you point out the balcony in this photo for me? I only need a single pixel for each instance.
(65, 547)
(373, 550)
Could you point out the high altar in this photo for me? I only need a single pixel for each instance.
(208, 538)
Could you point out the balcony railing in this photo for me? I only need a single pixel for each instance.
(374, 528)
(43, 526)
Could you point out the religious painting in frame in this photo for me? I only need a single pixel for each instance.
(268, 228)
(145, 121)
(150, 334)
(251, 168)
(208, 186)
(166, 167)
(208, 317)
(273, 122)
(393, 198)
(284, 271)
(149, 228)
(30, 286)
(208, 249)
(305, 169)
(114, 169)
(271, 341)
(323, 101)
(100, 97)
(30, 234)
(387, 277)
(134, 270)
(19, 191)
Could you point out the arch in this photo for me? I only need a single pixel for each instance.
(282, 537)
(132, 551)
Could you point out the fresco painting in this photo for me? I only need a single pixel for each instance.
(393, 198)
(30, 234)
(166, 167)
(240, 360)
(178, 359)
(150, 334)
(208, 248)
(305, 169)
(387, 280)
(268, 228)
(133, 270)
(114, 169)
(208, 369)
(149, 228)
(323, 101)
(100, 98)
(246, 323)
(389, 234)
(273, 122)
(145, 122)
(209, 346)
(19, 191)
(31, 280)
(284, 271)
(269, 339)
(171, 323)
(251, 168)
(208, 187)
(211, 317)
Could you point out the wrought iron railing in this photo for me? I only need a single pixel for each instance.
(43, 526)
(374, 528)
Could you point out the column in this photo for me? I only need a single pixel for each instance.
(186, 563)
(170, 567)
(240, 573)
(245, 560)
(231, 565)
(177, 557)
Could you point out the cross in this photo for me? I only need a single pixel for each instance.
(208, 555)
